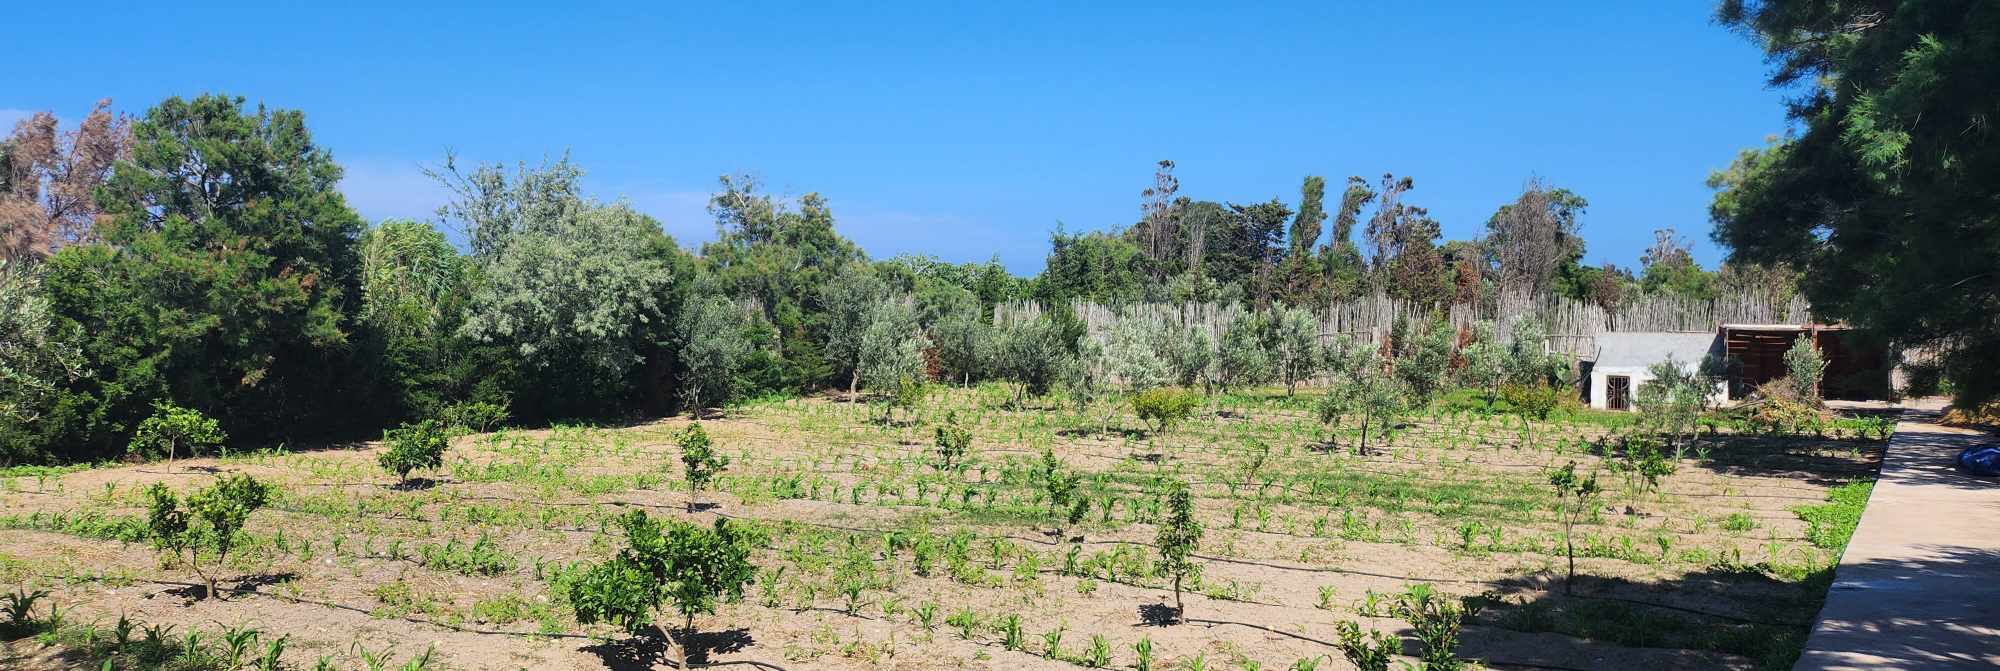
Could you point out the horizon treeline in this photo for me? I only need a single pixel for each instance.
(201, 256)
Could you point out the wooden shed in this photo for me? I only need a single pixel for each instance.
(1855, 368)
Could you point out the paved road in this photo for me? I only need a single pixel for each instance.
(1919, 586)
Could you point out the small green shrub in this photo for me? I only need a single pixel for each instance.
(220, 511)
(414, 446)
(1161, 407)
(173, 427)
(699, 460)
(474, 416)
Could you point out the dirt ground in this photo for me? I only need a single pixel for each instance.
(1302, 533)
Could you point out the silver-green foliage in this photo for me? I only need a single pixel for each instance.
(36, 356)
(1804, 368)
(1297, 355)
(892, 347)
(564, 282)
(713, 347)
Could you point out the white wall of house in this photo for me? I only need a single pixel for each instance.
(1600, 386)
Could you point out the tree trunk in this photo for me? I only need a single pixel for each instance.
(1180, 611)
(675, 651)
(853, 384)
(1569, 548)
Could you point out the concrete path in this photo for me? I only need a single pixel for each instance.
(1919, 586)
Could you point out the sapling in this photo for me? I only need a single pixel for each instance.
(414, 446)
(1367, 653)
(952, 443)
(692, 567)
(1179, 536)
(221, 510)
(1574, 498)
(172, 427)
(700, 459)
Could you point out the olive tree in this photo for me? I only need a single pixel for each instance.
(892, 353)
(692, 568)
(38, 356)
(1297, 354)
(1034, 355)
(1129, 354)
(1804, 368)
(1241, 358)
(1485, 361)
(848, 303)
(713, 347)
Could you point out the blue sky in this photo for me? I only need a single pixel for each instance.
(968, 130)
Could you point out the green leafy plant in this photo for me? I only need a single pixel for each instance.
(1179, 536)
(1436, 620)
(1371, 652)
(699, 460)
(691, 567)
(1575, 497)
(171, 428)
(474, 416)
(1162, 407)
(952, 443)
(414, 446)
(220, 511)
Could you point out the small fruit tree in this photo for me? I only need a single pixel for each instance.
(172, 427)
(1179, 536)
(1161, 407)
(208, 519)
(700, 460)
(952, 443)
(414, 446)
(1059, 484)
(1574, 498)
(691, 567)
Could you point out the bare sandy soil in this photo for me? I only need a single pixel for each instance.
(1301, 533)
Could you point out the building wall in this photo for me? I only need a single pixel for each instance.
(1600, 386)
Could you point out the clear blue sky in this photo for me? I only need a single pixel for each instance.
(966, 130)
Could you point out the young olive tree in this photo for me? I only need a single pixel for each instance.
(1485, 361)
(1034, 355)
(1179, 537)
(690, 567)
(1423, 360)
(1297, 355)
(208, 519)
(965, 345)
(172, 427)
(699, 460)
(1804, 368)
(1575, 498)
(414, 446)
(1672, 403)
(713, 348)
(1188, 351)
(1130, 356)
(1241, 359)
(1529, 362)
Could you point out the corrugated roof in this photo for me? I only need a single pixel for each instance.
(1645, 348)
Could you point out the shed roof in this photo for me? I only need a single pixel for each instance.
(1639, 349)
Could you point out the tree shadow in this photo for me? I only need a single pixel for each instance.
(415, 485)
(1158, 615)
(649, 650)
(1094, 431)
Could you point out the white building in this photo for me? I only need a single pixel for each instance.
(1619, 367)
